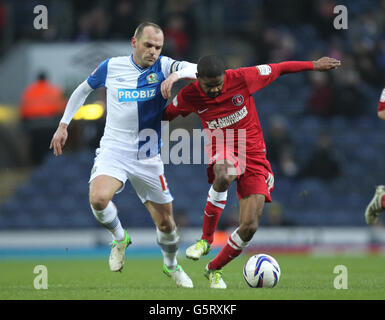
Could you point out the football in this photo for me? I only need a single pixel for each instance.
(261, 271)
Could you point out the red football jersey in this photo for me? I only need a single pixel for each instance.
(233, 113)
(234, 108)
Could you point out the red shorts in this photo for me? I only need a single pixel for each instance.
(256, 178)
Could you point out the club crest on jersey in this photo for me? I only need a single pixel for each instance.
(238, 100)
(152, 78)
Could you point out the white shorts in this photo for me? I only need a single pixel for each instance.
(146, 176)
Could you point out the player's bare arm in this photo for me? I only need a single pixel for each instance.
(59, 139)
(167, 84)
(381, 114)
(326, 63)
(186, 71)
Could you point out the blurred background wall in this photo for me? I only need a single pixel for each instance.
(325, 142)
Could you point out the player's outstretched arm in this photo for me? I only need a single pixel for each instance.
(326, 63)
(74, 103)
(381, 114)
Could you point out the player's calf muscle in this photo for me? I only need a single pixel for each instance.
(251, 212)
(247, 230)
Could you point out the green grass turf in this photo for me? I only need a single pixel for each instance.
(303, 277)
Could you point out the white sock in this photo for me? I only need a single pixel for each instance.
(237, 240)
(169, 245)
(109, 219)
(217, 196)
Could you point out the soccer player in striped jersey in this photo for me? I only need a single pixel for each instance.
(377, 204)
(223, 100)
(138, 87)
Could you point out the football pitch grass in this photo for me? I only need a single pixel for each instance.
(303, 277)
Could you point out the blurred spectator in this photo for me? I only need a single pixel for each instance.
(41, 106)
(323, 161)
(180, 28)
(229, 219)
(349, 100)
(176, 36)
(287, 165)
(380, 56)
(275, 45)
(92, 25)
(280, 147)
(181, 218)
(275, 215)
(124, 20)
(321, 96)
(3, 21)
(324, 16)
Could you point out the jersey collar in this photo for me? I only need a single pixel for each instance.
(139, 68)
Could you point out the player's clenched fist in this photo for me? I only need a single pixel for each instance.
(326, 63)
(167, 84)
(59, 139)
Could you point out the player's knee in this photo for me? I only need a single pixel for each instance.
(223, 182)
(166, 225)
(99, 201)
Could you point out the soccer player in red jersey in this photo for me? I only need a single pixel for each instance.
(377, 204)
(223, 100)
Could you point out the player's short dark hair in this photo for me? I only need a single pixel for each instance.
(211, 66)
(139, 28)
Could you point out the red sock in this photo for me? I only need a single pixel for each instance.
(213, 210)
(383, 201)
(229, 252)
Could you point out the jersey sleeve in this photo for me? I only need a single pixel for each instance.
(184, 69)
(381, 103)
(262, 75)
(98, 77)
(177, 107)
(75, 101)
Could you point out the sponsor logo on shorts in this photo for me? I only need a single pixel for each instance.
(125, 95)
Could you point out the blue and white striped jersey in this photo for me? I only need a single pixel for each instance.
(134, 103)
